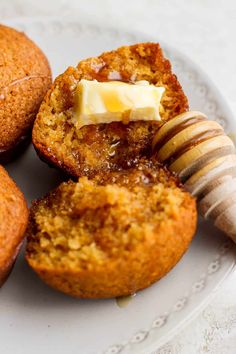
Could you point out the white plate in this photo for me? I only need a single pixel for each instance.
(36, 319)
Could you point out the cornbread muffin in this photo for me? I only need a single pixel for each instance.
(13, 221)
(93, 148)
(111, 235)
(25, 77)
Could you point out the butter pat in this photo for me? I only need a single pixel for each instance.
(114, 101)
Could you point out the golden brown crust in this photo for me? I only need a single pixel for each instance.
(113, 235)
(104, 146)
(18, 149)
(25, 77)
(13, 222)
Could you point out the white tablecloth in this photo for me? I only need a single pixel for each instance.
(204, 30)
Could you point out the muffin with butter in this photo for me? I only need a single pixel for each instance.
(103, 114)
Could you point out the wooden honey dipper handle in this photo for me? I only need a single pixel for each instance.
(204, 158)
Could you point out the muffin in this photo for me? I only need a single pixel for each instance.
(25, 77)
(110, 146)
(13, 222)
(112, 235)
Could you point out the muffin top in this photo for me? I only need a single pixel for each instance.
(92, 222)
(25, 77)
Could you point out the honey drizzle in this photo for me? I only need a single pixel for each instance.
(124, 301)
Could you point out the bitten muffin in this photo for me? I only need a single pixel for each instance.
(112, 235)
(25, 77)
(13, 222)
(93, 148)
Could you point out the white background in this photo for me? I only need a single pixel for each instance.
(205, 30)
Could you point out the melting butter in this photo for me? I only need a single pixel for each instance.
(112, 101)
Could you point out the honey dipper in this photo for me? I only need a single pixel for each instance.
(203, 156)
